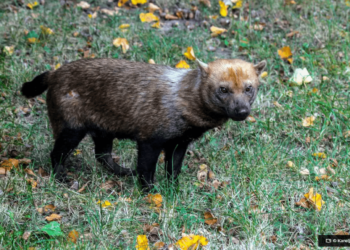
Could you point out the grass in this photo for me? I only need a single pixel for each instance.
(259, 200)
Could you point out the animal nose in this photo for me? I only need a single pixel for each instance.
(242, 112)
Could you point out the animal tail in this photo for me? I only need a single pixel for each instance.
(37, 86)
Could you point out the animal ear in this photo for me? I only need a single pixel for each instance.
(260, 67)
(203, 66)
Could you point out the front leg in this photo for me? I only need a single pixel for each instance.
(174, 155)
(148, 154)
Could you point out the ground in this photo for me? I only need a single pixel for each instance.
(256, 205)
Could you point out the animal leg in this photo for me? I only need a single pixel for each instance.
(174, 155)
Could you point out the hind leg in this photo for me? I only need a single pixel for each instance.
(103, 149)
(66, 141)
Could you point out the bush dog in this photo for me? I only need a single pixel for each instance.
(159, 107)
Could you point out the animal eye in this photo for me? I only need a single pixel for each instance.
(223, 90)
(248, 89)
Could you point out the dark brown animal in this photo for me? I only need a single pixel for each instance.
(159, 107)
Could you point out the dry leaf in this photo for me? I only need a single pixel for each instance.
(303, 203)
(285, 52)
(42, 172)
(124, 26)
(57, 66)
(334, 162)
(32, 182)
(264, 74)
(32, 5)
(341, 233)
(26, 235)
(308, 121)
(53, 217)
(191, 241)
(32, 40)
(29, 171)
(300, 76)
(142, 242)
(189, 54)
(121, 2)
(48, 208)
(304, 171)
(3, 171)
(104, 204)
(93, 15)
(121, 42)
(156, 25)
(216, 184)
(151, 61)
(211, 175)
(320, 155)
(215, 31)
(83, 187)
(73, 236)
(155, 199)
(84, 5)
(277, 105)
(109, 12)
(330, 170)
(202, 175)
(46, 30)
(108, 185)
(238, 4)
(223, 8)
(290, 164)
(148, 17)
(314, 199)
(206, 2)
(251, 119)
(152, 8)
(159, 245)
(323, 177)
(24, 161)
(8, 164)
(182, 65)
(209, 218)
(346, 134)
(135, 2)
(77, 151)
(170, 17)
(8, 50)
(292, 33)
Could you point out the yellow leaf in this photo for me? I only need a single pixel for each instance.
(151, 61)
(155, 199)
(32, 182)
(238, 4)
(142, 242)
(8, 164)
(347, 2)
(182, 65)
(314, 199)
(290, 164)
(124, 26)
(216, 31)
(159, 244)
(309, 121)
(73, 236)
(135, 2)
(8, 50)
(57, 66)
(93, 15)
(105, 204)
(156, 25)
(319, 155)
(32, 40)
(121, 2)
(190, 54)
(214, 17)
(46, 30)
(191, 242)
(264, 74)
(32, 5)
(285, 52)
(148, 17)
(121, 42)
(77, 151)
(53, 217)
(223, 8)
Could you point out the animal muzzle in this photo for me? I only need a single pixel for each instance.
(239, 113)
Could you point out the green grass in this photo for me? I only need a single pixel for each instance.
(252, 157)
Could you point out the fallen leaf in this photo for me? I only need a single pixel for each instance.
(308, 121)
(104, 204)
(153, 8)
(9, 164)
(292, 33)
(24, 161)
(323, 177)
(330, 170)
(216, 184)
(304, 171)
(314, 199)
(300, 76)
(73, 236)
(32, 182)
(121, 42)
(57, 66)
(26, 235)
(182, 65)
(109, 12)
(155, 199)
(285, 52)
(159, 245)
(341, 233)
(42, 172)
(83, 187)
(8, 50)
(211, 175)
(346, 134)
(151, 61)
(264, 74)
(3, 171)
(93, 15)
(46, 30)
(148, 17)
(216, 31)
(238, 4)
(156, 25)
(277, 105)
(334, 162)
(108, 185)
(214, 17)
(53, 217)
(48, 208)
(320, 155)
(189, 54)
(223, 8)
(170, 17)
(209, 218)
(206, 2)
(142, 242)
(290, 164)
(251, 119)
(303, 203)
(29, 171)
(32, 40)
(77, 151)
(124, 26)
(202, 175)
(32, 5)
(121, 2)
(191, 242)
(84, 5)
(135, 2)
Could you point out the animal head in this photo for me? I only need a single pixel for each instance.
(230, 86)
